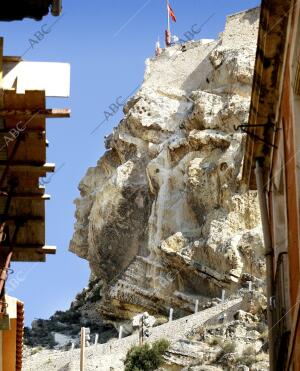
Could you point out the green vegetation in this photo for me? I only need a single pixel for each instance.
(229, 347)
(36, 350)
(249, 351)
(146, 357)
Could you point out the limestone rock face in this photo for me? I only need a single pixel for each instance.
(164, 218)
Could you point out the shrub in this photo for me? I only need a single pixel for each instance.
(215, 340)
(36, 350)
(229, 347)
(249, 351)
(146, 357)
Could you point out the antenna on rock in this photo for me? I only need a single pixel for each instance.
(157, 47)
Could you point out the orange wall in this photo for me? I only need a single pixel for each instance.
(292, 209)
(9, 347)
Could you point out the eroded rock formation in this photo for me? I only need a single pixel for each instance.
(164, 218)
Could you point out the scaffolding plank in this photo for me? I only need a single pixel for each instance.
(32, 253)
(26, 217)
(42, 113)
(8, 130)
(31, 233)
(33, 100)
(30, 196)
(32, 147)
(47, 168)
(24, 112)
(30, 101)
(41, 249)
(29, 257)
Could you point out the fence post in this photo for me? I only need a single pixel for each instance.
(96, 339)
(141, 330)
(120, 332)
(82, 349)
(87, 336)
(72, 354)
(223, 296)
(197, 306)
(171, 314)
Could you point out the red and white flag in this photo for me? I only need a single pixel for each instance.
(171, 13)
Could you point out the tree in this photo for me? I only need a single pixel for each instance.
(146, 357)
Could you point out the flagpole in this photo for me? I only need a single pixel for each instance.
(169, 28)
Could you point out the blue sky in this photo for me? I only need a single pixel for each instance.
(106, 43)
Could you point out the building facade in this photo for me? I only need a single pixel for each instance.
(23, 91)
(272, 166)
(24, 88)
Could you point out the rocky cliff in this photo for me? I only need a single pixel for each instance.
(164, 219)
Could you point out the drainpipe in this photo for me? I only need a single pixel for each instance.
(269, 253)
